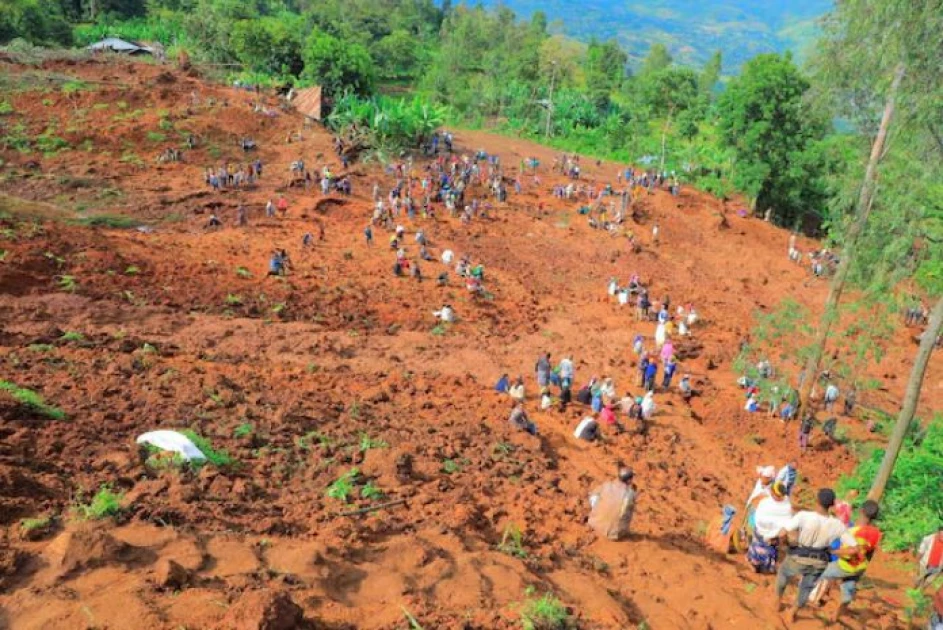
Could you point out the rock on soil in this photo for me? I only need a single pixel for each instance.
(170, 575)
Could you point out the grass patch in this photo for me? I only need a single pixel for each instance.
(41, 347)
(233, 300)
(367, 443)
(156, 136)
(242, 272)
(220, 459)
(105, 504)
(343, 486)
(32, 524)
(512, 542)
(30, 399)
(6, 108)
(451, 466)
(370, 491)
(243, 430)
(305, 442)
(439, 330)
(545, 613)
(111, 221)
(132, 270)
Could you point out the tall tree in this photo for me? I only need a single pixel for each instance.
(710, 75)
(658, 59)
(605, 65)
(763, 116)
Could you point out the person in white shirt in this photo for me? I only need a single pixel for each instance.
(810, 535)
(445, 314)
(770, 516)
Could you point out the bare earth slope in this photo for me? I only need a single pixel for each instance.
(337, 367)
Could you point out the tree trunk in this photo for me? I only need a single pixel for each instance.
(862, 211)
(911, 398)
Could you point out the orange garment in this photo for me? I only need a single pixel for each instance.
(611, 516)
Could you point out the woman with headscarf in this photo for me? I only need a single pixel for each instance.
(771, 513)
(648, 406)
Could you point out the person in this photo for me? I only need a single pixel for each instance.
(930, 554)
(850, 398)
(805, 432)
(831, 396)
(655, 234)
(503, 385)
(269, 209)
(545, 400)
(276, 265)
(567, 372)
(851, 564)
(607, 416)
(829, 427)
(685, 387)
(214, 221)
(566, 396)
(752, 404)
(516, 391)
(612, 505)
(242, 216)
(770, 514)
(810, 535)
(936, 615)
(543, 370)
(519, 420)
(585, 394)
(587, 429)
(445, 314)
(651, 370)
(766, 477)
(787, 476)
(368, 235)
(648, 406)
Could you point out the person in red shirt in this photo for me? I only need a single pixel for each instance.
(852, 562)
(931, 558)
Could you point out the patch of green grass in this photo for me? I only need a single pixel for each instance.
(41, 347)
(451, 466)
(50, 144)
(512, 542)
(156, 136)
(243, 430)
(67, 283)
(74, 86)
(305, 441)
(6, 108)
(367, 443)
(32, 524)
(132, 270)
(343, 486)
(233, 300)
(32, 400)
(545, 613)
(110, 221)
(105, 504)
(242, 272)
(220, 459)
(440, 329)
(370, 491)
(413, 623)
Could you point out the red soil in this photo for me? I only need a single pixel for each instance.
(351, 353)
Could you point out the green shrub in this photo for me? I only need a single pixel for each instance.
(5, 108)
(72, 336)
(104, 504)
(912, 502)
(450, 466)
(132, 270)
(41, 347)
(343, 486)
(155, 136)
(220, 459)
(546, 613)
(32, 400)
(242, 272)
(233, 300)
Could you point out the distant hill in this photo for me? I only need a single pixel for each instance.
(692, 29)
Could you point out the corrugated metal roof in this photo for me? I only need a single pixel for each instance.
(118, 45)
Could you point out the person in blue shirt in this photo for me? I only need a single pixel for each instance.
(503, 384)
(670, 368)
(651, 370)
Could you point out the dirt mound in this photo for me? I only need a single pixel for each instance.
(265, 610)
(84, 546)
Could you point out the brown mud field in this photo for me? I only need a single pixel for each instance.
(340, 366)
